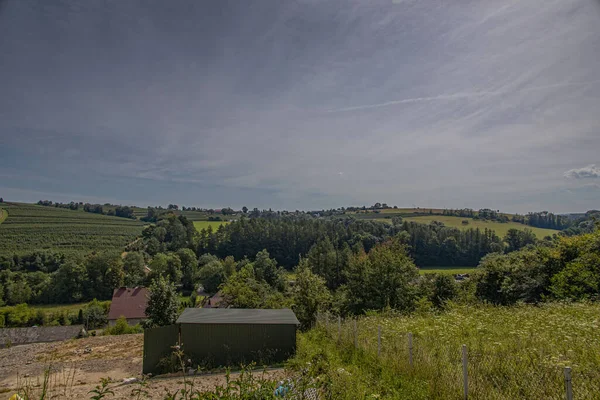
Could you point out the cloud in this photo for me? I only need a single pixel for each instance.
(583, 173)
(301, 104)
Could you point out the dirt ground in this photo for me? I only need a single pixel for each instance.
(78, 365)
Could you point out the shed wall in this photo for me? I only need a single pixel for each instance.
(230, 344)
(158, 344)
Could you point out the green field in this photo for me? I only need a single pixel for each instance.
(199, 225)
(500, 228)
(517, 352)
(3, 215)
(31, 227)
(446, 270)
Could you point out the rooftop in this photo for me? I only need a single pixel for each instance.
(129, 303)
(237, 316)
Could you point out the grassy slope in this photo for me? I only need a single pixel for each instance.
(199, 225)
(446, 270)
(514, 352)
(31, 227)
(500, 228)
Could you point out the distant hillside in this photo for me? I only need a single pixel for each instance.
(30, 227)
(501, 228)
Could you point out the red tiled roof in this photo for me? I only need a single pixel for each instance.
(129, 303)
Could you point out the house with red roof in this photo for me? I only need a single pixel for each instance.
(130, 303)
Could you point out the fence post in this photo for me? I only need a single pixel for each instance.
(379, 341)
(410, 349)
(355, 335)
(339, 329)
(465, 372)
(568, 384)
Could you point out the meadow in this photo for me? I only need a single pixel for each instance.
(29, 228)
(446, 270)
(499, 227)
(515, 352)
(199, 225)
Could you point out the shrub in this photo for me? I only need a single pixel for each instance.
(121, 327)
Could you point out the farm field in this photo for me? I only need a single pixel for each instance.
(500, 228)
(517, 352)
(199, 225)
(446, 270)
(30, 227)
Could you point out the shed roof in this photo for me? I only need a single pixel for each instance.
(36, 334)
(129, 303)
(237, 316)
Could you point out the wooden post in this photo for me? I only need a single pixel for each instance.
(355, 335)
(410, 349)
(379, 341)
(465, 372)
(568, 384)
(339, 329)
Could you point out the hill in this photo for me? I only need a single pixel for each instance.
(30, 227)
(501, 228)
(201, 224)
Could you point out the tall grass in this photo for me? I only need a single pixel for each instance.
(513, 352)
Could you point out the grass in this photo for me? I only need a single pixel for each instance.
(515, 352)
(3, 215)
(446, 270)
(199, 225)
(31, 228)
(500, 228)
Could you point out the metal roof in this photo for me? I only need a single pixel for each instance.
(283, 316)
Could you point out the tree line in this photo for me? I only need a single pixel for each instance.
(118, 211)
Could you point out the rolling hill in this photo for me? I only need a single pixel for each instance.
(30, 227)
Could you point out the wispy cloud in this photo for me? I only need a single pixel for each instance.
(468, 95)
(302, 104)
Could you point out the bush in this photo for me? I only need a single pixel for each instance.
(121, 327)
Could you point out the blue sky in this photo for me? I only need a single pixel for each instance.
(302, 104)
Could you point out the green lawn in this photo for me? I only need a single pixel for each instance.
(446, 270)
(199, 225)
(500, 228)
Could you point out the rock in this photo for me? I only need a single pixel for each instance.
(127, 381)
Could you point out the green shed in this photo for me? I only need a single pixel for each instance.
(229, 336)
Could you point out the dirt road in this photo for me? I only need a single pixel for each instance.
(78, 365)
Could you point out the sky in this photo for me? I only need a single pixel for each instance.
(303, 104)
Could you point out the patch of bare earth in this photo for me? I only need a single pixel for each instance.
(78, 365)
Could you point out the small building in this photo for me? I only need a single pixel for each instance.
(230, 336)
(38, 334)
(130, 303)
(215, 301)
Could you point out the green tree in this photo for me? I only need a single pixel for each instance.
(167, 265)
(163, 303)
(94, 315)
(189, 267)
(243, 290)
(18, 291)
(382, 278)
(69, 282)
(310, 295)
(212, 275)
(134, 268)
(265, 268)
